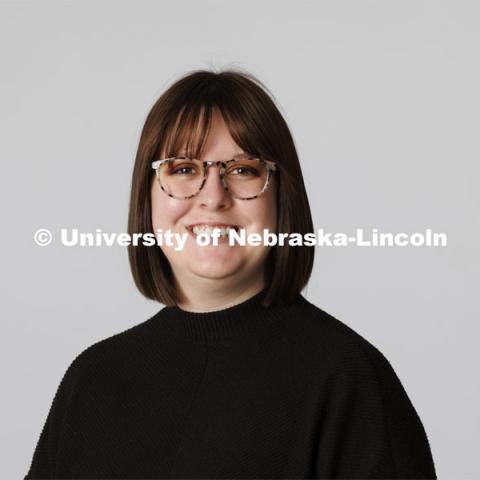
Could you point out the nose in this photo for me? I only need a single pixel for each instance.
(213, 195)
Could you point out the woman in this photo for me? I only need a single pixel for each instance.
(238, 376)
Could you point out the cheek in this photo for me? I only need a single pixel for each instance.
(263, 214)
(166, 211)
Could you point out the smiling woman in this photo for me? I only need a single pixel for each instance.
(238, 375)
(215, 150)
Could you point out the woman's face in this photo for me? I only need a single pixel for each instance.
(233, 264)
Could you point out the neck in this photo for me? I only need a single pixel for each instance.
(211, 295)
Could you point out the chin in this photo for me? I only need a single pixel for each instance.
(213, 255)
(215, 270)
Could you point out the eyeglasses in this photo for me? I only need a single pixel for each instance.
(244, 176)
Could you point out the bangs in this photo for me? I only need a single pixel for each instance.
(188, 122)
(186, 134)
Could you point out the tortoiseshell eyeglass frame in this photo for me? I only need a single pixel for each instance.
(271, 167)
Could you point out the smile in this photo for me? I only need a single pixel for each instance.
(219, 233)
(221, 230)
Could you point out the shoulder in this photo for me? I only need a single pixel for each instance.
(108, 357)
(342, 362)
(352, 376)
(330, 342)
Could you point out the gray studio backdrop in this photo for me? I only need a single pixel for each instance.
(383, 101)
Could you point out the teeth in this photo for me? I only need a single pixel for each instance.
(223, 231)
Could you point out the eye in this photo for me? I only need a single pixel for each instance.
(243, 171)
(183, 167)
(184, 170)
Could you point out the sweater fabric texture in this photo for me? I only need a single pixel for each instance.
(285, 391)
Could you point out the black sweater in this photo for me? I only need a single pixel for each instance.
(245, 392)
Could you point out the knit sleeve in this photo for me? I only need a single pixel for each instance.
(411, 455)
(44, 457)
(370, 428)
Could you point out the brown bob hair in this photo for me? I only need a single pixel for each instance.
(181, 117)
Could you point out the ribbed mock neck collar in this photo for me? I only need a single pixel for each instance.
(249, 316)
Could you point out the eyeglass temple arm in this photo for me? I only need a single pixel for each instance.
(157, 163)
